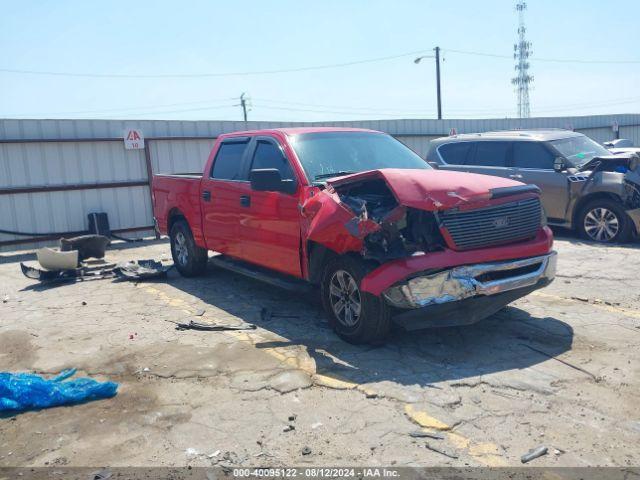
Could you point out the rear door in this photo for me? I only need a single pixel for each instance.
(222, 190)
(270, 226)
(533, 161)
(483, 157)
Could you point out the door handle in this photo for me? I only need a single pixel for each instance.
(245, 200)
(206, 195)
(517, 176)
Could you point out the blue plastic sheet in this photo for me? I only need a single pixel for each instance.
(27, 391)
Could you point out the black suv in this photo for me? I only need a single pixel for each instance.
(583, 185)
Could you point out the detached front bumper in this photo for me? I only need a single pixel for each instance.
(467, 294)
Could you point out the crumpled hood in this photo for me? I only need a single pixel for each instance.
(431, 189)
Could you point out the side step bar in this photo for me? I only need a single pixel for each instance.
(280, 280)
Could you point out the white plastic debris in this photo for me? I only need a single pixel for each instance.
(214, 454)
(191, 452)
(316, 425)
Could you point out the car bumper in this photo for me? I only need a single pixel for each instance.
(440, 299)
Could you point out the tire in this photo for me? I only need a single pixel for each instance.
(605, 221)
(189, 259)
(369, 320)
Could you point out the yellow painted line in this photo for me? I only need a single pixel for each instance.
(424, 419)
(485, 453)
(601, 306)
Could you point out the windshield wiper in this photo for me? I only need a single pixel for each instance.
(333, 174)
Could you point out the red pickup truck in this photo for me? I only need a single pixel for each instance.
(385, 237)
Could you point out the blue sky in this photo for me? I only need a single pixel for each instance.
(189, 37)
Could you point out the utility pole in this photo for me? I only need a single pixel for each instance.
(243, 104)
(438, 91)
(437, 49)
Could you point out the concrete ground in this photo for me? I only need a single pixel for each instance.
(559, 368)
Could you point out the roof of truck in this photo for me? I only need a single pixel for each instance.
(302, 130)
(535, 135)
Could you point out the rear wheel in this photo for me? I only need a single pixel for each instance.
(356, 316)
(189, 259)
(604, 221)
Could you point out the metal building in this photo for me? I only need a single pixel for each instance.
(54, 172)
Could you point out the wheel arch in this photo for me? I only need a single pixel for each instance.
(318, 256)
(175, 214)
(580, 204)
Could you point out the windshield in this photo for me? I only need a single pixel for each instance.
(330, 154)
(579, 150)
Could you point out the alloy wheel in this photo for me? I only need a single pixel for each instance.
(601, 224)
(180, 247)
(344, 297)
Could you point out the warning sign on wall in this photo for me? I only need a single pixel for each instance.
(133, 139)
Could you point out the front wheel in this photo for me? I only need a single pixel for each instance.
(356, 316)
(604, 221)
(189, 259)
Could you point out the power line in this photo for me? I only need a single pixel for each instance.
(339, 109)
(296, 69)
(543, 59)
(212, 74)
(127, 109)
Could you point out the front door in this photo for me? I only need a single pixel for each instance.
(533, 162)
(270, 226)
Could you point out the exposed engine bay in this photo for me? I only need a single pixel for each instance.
(398, 231)
(620, 174)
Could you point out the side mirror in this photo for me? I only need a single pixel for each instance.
(434, 165)
(269, 180)
(559, 164)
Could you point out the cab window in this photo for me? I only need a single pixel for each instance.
(269, 155)
(228, 162)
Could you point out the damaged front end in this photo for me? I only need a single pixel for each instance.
(618, 175)
(470, 280)
(364, 216)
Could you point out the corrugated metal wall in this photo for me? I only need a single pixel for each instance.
(54, 172)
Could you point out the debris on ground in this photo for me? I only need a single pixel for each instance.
(191, 452)
(26, 391)
(103, 474)
(54, 259)
(288, 428)
(210, 327)
(441, 451)
(142, 270)
(533, 454)
(423, 434)
(564, 362)
(30, 270)
(87, 246)
(316, 425)
(266, 314)
(305, 451)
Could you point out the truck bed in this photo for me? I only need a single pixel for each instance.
(179, 191)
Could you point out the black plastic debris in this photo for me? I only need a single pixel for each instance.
(211, 327)
(88, 246)
(137, 270)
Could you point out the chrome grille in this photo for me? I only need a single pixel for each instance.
(497, 225)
